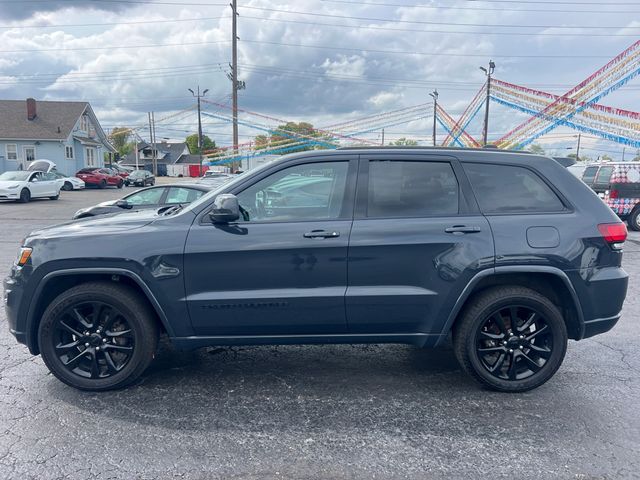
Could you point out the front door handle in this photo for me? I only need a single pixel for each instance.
(321, 234)
(462, 229)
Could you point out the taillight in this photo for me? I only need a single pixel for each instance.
(614, 234)
(613, 193)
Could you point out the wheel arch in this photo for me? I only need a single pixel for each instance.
(54, 283)
(551, 282)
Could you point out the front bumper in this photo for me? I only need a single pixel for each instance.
(12, 298)
(10, 194)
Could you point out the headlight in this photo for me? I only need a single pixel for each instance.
(13, 186)
(23, 257)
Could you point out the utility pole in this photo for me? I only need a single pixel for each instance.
(578, 149)
(434, 95)
(383, 137)
(199, 96)
(234, 76)
(488, 72)
(151, 138)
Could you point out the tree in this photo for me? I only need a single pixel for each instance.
(537, 149)
(261, 142)
(192, 144)
(119, 138)
(404, 142)
(606, 158)
(292, 132)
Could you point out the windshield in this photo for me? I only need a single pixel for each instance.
(14, 176)
(137, 173)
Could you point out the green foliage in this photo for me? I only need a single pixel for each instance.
(289, 133)
(119, 138)
(537, 149)
(404, 142)
(606, 158)
(192, 144)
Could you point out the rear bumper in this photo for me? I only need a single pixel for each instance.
(600, 325)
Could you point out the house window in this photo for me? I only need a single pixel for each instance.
(68, 152)
(12, 151)
(90, 157)
(84, 123)
(29, 153)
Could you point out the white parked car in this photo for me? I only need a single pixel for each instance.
(23, 185)
(68, 183)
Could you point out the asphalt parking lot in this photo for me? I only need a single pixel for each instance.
(378, 411)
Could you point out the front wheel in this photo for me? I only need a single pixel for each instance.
(98, 336)
(25, 196)
(511, 339)
(67, 187)
(120, 184)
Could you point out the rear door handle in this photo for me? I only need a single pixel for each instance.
(321, 234)
(462, 229)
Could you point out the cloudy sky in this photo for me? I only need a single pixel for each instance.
(314, 60)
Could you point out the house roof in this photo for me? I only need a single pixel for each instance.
(54, 120)
(189, 158)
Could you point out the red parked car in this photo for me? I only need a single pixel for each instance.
(100, 177)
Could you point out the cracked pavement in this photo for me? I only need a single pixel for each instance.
(376, 411)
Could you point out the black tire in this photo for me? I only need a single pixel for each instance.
(482, 332)
(102, 184)
(25, 196)
(121, 184)
(153, 182)
(116, 356)
(634, 220)
(67, 187)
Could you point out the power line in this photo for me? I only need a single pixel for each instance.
(456, 32)
(425, 22)
(501, 9)
(428, 54)
(114, 47)
(141, 2)
(111, 23)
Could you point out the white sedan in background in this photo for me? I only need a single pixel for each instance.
(24, 185)
(68, 183)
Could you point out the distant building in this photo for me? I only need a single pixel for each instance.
(67, 133)
(167, 154)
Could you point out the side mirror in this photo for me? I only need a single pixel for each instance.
(123, 204)
(225, 209)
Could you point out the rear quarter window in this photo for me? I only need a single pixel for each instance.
(604, 175)
(511, 189)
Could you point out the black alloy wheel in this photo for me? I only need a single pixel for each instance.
(510, 338)
(67, 187)
(25, 196)
(98, 336)
(93, 339)
(514, 342)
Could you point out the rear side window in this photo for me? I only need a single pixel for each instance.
(411, 189)
(589, 174)
(510, 189)
(604, 175)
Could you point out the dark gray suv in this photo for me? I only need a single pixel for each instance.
(507, 252)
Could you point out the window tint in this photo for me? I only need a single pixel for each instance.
(145, 197)
(411, 189)
(589, 174)
(303, 192)
(182, 195)
(604, 175)
(504, 189)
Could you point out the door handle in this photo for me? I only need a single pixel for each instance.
(462, 229)
(321, 234)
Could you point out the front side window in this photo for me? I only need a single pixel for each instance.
(12, 151)
(510, 189)
(411, 189)
(312, 191)
(151, 196)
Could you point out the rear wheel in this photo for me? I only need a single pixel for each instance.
(25, 195)
(98, 336)
(102, 184)
(67, 187)
(634, 220)
(511, 339)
